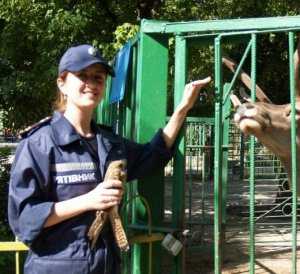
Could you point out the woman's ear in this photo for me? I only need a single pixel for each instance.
(60, 84)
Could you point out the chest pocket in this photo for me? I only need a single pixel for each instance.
(74, 266)
(74, 178)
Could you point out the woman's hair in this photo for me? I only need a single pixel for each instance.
(60, 99)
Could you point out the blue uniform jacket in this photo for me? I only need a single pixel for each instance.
(52, 164)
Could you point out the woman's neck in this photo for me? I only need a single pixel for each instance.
(81, 120)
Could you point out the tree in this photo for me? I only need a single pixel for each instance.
(34, 34)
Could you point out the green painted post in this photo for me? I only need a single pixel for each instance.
(190, 179)
(218, 158)
(131, 132)
(242, 156)
(226, 123)
(130, 96)
(252, 162)
(179, 157)
(151, 102)
(294, 151)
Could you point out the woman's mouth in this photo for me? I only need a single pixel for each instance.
(90, 92)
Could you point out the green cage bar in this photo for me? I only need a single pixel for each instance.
(225, 140)
(252, 163)
(178, 189)
(294, 153)
(218, 158)
(267, 23)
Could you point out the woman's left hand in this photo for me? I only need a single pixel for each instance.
(191, 93)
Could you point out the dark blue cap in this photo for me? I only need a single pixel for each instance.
(80, 57)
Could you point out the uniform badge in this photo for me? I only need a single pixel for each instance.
(92, 51)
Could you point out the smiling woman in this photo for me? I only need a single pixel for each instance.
(82, 71)
(83, 89)
(57, 179)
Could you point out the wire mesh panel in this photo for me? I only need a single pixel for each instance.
(198, 174)
(273, 212)
(245, 203)
(197, 235)
(272, 202)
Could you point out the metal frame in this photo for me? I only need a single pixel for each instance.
(215, 33)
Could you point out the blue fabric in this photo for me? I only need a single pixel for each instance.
(121, 68)
(53, 164)
(80, 57)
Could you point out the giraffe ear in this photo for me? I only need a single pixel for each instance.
(244, 94)
(246, 80)
(235, 100)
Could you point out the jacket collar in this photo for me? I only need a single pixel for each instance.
(64, 133)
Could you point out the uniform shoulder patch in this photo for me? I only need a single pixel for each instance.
(26, 132)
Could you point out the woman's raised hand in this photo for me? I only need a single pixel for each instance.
(191, 93)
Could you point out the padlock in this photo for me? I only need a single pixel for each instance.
(171, 244)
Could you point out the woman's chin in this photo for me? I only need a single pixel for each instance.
(91, 102)
(87, 105)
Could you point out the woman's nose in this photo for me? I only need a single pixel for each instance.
(91, 83)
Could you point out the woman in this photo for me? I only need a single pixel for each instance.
(54, 185)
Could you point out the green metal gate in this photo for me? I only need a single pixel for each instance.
(153, 41)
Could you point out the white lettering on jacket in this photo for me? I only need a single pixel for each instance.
(65, 167)
(75, 178)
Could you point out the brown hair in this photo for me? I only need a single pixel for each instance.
(60, 99)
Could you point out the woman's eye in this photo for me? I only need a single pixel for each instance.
(82, 76)
(99, 78)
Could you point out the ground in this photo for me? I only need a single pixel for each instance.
(273, 237)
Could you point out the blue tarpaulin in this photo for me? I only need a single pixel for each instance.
(118, 84)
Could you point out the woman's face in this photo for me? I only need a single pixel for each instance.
(84, 89)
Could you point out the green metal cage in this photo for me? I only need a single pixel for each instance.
(220, 184)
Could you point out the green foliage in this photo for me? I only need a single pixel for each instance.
(124, 33)
(6, 259)
(4, 178)
(35, 33)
